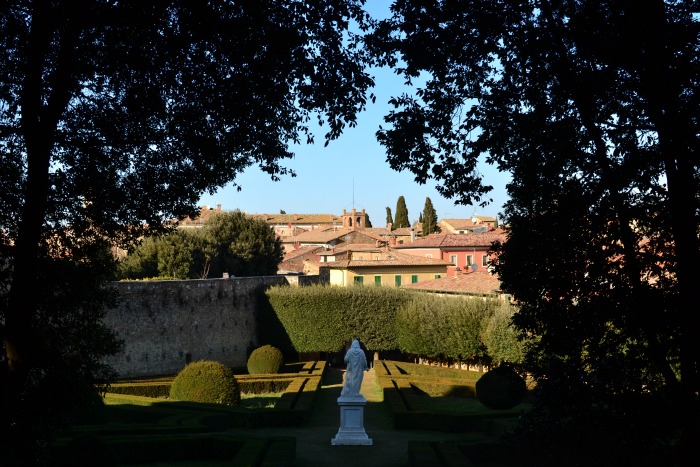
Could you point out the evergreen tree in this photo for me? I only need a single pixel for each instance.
(593, 109)
(368, 223)
(389, 219)
(429, 218)
(401, 217)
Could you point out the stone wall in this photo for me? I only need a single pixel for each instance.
(166, 324)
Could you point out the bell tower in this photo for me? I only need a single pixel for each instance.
(354, 220)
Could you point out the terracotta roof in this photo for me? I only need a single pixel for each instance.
(393, 258)
(351, 247)
(300, 218)
(472, 282)
(455, 240)
(299, 259)
(317, 236)
(301, 251)
(384, 232)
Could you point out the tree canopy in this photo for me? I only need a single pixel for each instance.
(593, 109)
(231, 242)
(401, 214)
(115, 116)
(389, 218)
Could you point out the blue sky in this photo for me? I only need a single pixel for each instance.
(350, 172)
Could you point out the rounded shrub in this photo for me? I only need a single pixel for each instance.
(265, 359)
(206, 381)
(501, 388)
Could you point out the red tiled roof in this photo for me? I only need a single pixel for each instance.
(300, 218)
(317, 236)
(455, 240)
(351, 247)
(393, 258)
(472, 282)
(301, 251)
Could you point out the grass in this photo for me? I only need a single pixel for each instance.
(260, 401)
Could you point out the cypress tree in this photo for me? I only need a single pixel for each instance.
(389, 219)
(401, 216)
(429, 218)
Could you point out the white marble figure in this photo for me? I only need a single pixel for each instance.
(356, 365)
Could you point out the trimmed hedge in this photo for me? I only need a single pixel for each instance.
(265, 360)
(501, 388)
(501, 339)
(206, 381)
(321, 318)
(444, 327)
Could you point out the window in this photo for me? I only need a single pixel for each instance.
(485, 260)
(377, 280)
(414, 279)
(397, 281)
(429, 255)
(453, 259)
(437, 276)
(470, 260)
(358, 280)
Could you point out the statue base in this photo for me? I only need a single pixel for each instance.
(352, 429)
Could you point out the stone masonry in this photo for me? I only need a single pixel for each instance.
(166, 324)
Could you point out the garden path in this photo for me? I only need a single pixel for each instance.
(390, 446)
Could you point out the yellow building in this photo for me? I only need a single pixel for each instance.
(378, 265)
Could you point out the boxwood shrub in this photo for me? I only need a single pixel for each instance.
(206, 381)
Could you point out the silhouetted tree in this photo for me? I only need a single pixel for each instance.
(116, 116)
(389, 219)
(594, 109)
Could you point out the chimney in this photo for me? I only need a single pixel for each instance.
(218, 207)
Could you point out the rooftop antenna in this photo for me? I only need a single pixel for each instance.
(353, 192)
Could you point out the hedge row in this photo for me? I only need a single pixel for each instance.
(403, 392)
(322, 318)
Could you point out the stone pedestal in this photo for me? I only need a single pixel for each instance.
(352, 428)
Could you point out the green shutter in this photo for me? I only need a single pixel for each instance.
(377, 280)
(358, 280)
(414, 279)
(397, 281)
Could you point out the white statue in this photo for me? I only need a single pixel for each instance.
(356, 365)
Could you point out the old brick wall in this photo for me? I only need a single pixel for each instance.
(165, 324)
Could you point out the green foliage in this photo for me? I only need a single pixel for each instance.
(116, 117)
(443, 327)
(265, 359)
(323, 318)
(429, 218)
(206, 381)
(245, 246)
(401, 214)
(389, 219)
(167, 256)
(501, 388)
(229, 242)
(601, 146)
(368, 223)
(501, 338)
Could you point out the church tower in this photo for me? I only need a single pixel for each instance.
(354, 220)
